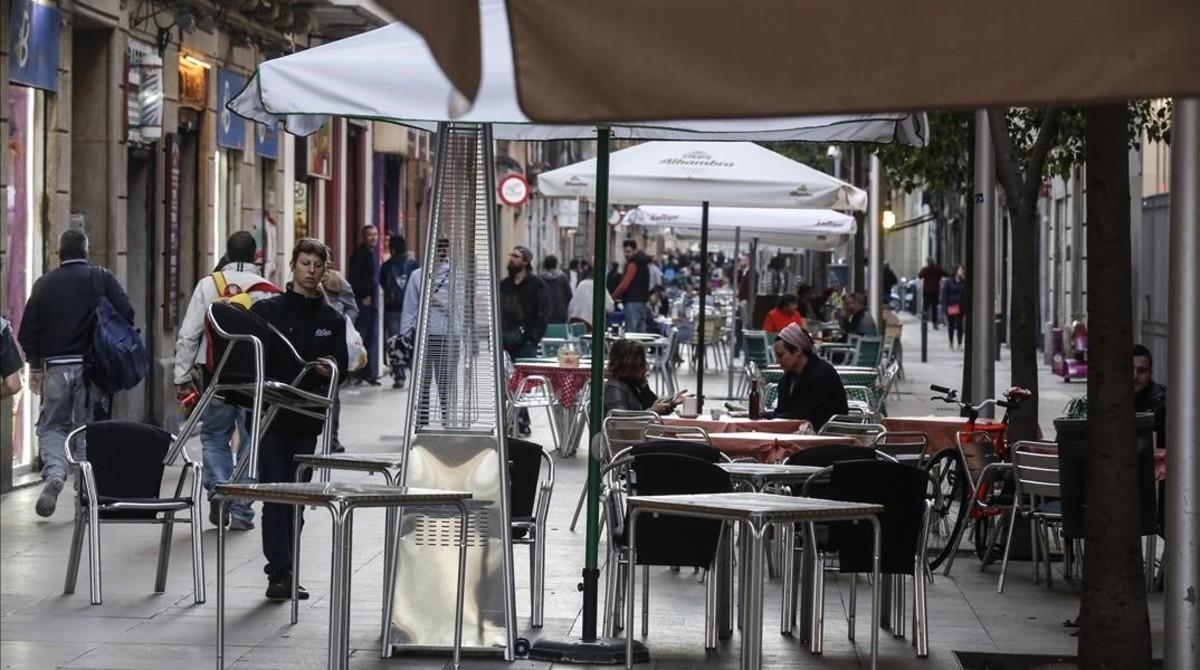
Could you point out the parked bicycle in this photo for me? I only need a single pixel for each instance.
(968, 487)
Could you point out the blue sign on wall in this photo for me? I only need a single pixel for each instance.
(231, 128)
(266, 141)
(33, 40)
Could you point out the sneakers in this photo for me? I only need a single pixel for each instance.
(280, 588)
(48, 500)
(398, 384)
(337, 448)
(240, 523)
(214, 510)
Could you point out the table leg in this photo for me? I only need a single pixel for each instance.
(220, 584)
(787, 538)
(347, 573)
(752, 599)
(630, 588)
(725, 583)
(336, 593)
(390, 538)
(808, 560)
(876, 599)
(462, 579)
(297, 524)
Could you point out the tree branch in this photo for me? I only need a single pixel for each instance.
(1007, 169)
(1047, 133)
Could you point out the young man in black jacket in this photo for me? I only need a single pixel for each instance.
(522, 314)
(363, 279)
(56, 328)
(317, 332)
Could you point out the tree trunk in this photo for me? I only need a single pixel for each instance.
(1023, 315)
(1114, 623)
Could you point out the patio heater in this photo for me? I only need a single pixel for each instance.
(454, 437)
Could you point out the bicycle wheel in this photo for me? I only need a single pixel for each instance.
(947, 516)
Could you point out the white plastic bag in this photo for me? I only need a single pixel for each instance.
(356, 351)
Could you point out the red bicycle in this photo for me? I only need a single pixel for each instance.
(961, 472)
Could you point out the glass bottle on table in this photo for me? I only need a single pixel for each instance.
(755, 394)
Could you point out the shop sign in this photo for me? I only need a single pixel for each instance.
(193, 81)
(144, 93)
(33, 38)
(171, 233)
(231, 128)
(266, 140)
(300, 207)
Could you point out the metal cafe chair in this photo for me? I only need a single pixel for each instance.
(534, 391)
(531, 487)
(663, 432)
(621, 428)
(120, 481)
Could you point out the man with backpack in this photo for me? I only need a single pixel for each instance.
(393, 277)
(239, 281)
(56, 333)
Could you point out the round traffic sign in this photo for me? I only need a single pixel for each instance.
(513, 190)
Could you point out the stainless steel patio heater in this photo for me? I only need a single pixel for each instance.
(455, 437)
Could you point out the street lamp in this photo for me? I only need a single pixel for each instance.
(889, 219)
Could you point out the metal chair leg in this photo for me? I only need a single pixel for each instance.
(817, 637)
(1151, 551)
(788, 567)
(198, 582)
(1035, 549)
(920, 618)
(94, 554)
(579, 507)
(75, 551)
(853, 608)
(1012, 523)
(645, 600)
(710, 607)
(1046, 552)
(898, 598)
(164, 552)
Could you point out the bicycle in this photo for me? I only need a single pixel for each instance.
(961, 474)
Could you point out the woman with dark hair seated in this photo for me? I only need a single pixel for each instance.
(783, 314)
(810, 389)
(626, 386)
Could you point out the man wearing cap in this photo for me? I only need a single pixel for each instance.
(810, 389)
(522, 314)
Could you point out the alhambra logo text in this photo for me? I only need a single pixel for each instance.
(696, 159)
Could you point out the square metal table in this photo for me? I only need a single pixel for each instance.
(341, 499)
(755, 511)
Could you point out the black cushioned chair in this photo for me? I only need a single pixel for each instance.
(531, 487)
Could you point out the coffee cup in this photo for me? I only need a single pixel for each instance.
(691, 406)
(716, 414)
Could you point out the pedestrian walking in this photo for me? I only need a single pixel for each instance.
(580, 309)
(10, 361)
(55, 333)
(317, 332)
(522, 314)
(363, 278)
(889, 282)
(236, 275)
(441, 350)
(634, 289)
(339, 295)
(931, 284)
(558, 290)
(954, 290)
(393, 278)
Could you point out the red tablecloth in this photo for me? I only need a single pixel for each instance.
(772, 447)
(567, 382)
(940, 429)
(728, 424)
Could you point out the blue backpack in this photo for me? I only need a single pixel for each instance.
(116, 360)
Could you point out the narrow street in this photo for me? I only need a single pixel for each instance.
(135, 628)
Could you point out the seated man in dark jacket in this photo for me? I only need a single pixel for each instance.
(317, 331)
(810, 389)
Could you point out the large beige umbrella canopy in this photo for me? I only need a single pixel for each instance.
(681, 59)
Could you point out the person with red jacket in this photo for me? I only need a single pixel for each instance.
(784, 313)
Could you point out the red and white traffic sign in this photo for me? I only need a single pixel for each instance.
(513, 190)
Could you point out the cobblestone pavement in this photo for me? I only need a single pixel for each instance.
(136, 628)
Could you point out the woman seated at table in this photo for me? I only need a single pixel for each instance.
(810, 389)
(626, 386)
(783, 314)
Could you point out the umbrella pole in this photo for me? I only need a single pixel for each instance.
(737, 307)
(700, 353)
(593, 649)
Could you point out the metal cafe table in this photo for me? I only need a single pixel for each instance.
(341, 499)
(755, 511)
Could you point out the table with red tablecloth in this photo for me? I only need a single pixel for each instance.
(940, 429)
(732, 424)
(568, 384)
(772, 447)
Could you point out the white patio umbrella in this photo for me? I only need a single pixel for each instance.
(390, 74)
(816, 229)
(725, 174)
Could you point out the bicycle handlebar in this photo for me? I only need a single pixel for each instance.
(942, 389)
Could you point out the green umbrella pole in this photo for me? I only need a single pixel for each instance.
(591, 574)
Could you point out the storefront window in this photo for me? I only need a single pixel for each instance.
(23, 198)
(227, 198)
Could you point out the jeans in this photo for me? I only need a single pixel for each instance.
(931, 304)
(441, 359)
(391, 328)
(68, 402)
(955, 324)
(216, 437)
(637, 317)
(276, 464)
(365, 325)
(526, 350)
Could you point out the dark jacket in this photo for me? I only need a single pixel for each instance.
(558, 296)
(1153, 398)
(316, 330)
(621, 394)
(815, 394)
(931, 279)
(393, 278)
(58, 315)
(362, 272)
(954, 291)
(889, 282)
(522, 312)
(635, 283)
